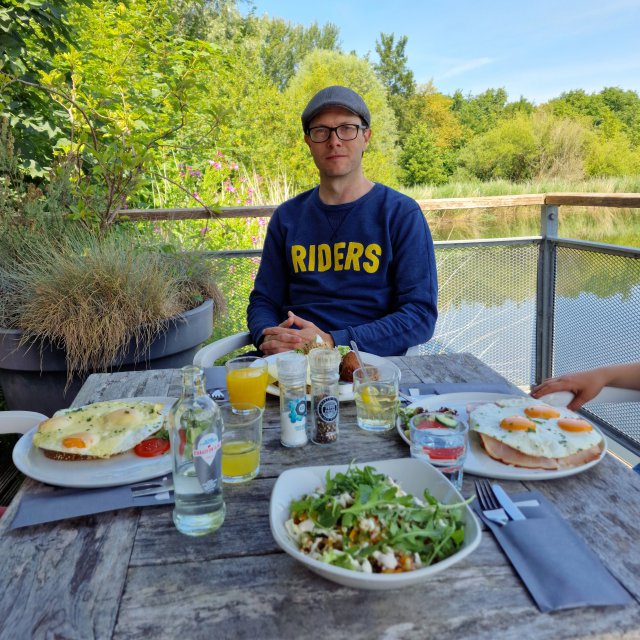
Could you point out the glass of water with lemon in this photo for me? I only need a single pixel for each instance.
(375, 388)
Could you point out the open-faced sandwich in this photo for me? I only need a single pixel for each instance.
(99, 430)
(523, 432)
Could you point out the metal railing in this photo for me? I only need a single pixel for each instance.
(530, 307)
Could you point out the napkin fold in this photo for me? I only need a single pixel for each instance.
(559, 570)
(38, 508)
(216, 378)
(439, 388)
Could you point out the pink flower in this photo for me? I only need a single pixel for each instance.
(220, 154)
(216, 165)
(262, 222)
(204, 230)
(230, 188)
(195, 173)
(254, 241)
(238, 201)
(181, 174)
(249, 200)
(195, 194)
(211, 162)
(156, 229)
(233, 166)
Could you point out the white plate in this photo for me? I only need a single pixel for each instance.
(478, 462)
(87, 474)
(345, 388)
(413, 475)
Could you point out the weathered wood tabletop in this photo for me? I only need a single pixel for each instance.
(130, 574)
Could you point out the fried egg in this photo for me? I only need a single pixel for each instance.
(99, 430)
(533, 428)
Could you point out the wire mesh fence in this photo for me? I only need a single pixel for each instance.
(597, 322)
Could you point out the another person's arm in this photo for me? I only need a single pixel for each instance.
(586, 385)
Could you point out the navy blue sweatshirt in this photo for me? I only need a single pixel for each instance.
(362, 271)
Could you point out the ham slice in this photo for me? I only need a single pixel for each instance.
(508, 455)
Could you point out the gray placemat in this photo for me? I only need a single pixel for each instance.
(38, 508)
(558, 568)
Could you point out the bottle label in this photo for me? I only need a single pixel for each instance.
(206, 462)
(327, 409)
(297, 410)
(207, 447)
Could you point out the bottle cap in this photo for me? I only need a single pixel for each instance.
(321, 360)
(292, 366)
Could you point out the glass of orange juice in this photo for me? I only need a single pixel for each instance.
(241, 441)
(247, 379)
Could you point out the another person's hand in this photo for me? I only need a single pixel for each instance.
(286, 336)
(585, 385)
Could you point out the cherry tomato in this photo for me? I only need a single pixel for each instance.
(151, 447)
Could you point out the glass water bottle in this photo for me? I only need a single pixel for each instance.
(195, 428)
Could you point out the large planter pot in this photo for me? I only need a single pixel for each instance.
(33, 378)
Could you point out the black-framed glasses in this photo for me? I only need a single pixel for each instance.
(344, 132)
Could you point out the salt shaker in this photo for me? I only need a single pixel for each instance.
(324, 367)
(292, 380)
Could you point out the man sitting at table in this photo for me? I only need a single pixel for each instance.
(350, 259)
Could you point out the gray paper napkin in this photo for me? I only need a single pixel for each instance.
(61, 504)
(216, 378)
(440, 388)
(559, 570)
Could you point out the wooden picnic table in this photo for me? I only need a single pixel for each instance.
(130, 574)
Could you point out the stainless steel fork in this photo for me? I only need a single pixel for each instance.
(490, 506)
(216, 394)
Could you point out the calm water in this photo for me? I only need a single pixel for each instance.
(612, 226)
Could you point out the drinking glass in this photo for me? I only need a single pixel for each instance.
(247, 380)
(445, 447)
(375, 388)
(241, 440)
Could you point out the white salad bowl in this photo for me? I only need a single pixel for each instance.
(413, 475)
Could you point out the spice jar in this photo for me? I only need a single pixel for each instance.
(324, 368)
(292, 380)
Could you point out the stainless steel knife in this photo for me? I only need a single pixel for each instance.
(507, 503)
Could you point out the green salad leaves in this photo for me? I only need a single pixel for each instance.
(363, 520)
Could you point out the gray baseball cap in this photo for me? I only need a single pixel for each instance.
(335, 96)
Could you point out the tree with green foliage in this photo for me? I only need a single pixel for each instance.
(30, 35)
(421, 160)
(394, 73)
(506, 151)
(321, 69)
(480, 113)
(284, 45)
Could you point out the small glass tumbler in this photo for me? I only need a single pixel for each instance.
(247, 380)
(292, 380)
(375, 389)
(445, 447)
(241, 441)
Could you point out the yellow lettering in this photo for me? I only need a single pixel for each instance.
(324, 257)
(312, 257)
(298, 254)
(338, 255)
(354, 253)
(373, 251)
